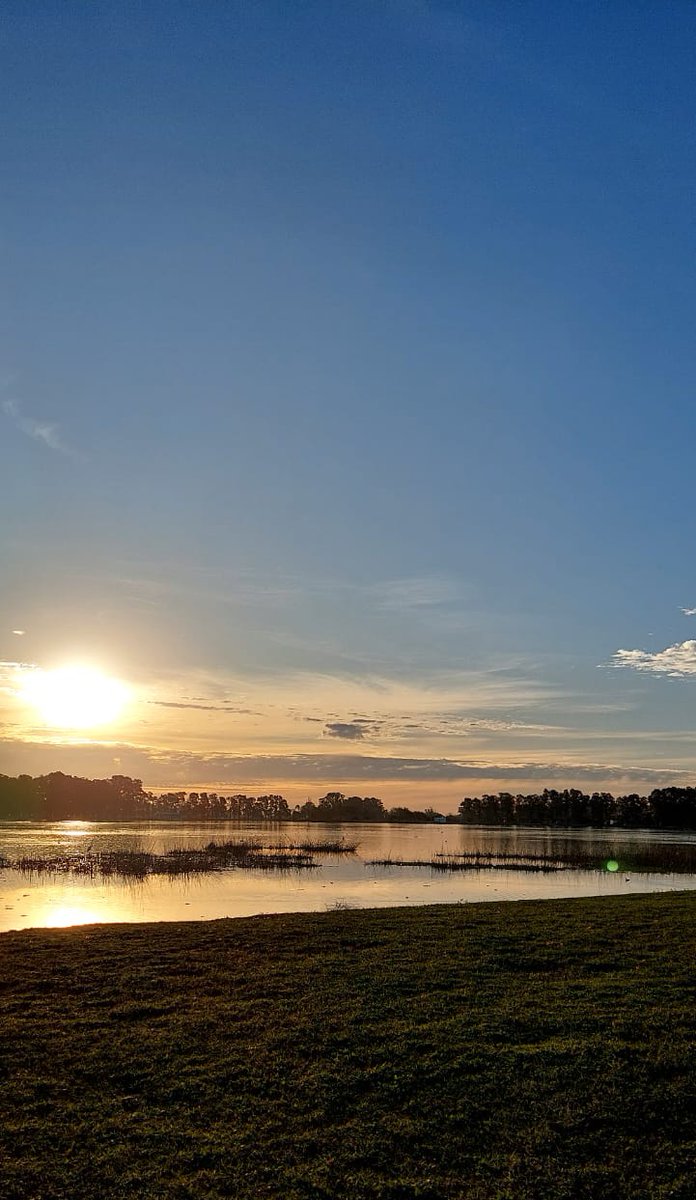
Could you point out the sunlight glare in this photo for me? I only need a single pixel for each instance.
(66, 915)
(74, 697)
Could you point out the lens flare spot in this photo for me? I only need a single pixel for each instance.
(612, 865)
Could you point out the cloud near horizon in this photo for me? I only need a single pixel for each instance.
(177, 769)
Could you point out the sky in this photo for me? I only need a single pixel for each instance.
(347, 406)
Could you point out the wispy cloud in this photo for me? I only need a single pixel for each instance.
(407, 595)
(471, 695)
(688, 612)
(386, 726)
(224, 708)
(677, 661)
(41, 431)
(245, 586)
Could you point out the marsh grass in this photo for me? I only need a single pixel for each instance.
(312, 846)
(666, 858)
(531, 1051)
(139, 864)
(535, 863)
(254, 855)
(478, 861)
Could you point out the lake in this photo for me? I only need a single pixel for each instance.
(349, 880)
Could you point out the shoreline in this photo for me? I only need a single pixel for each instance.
(339, 911)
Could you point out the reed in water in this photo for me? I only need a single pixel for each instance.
(667, 858)
(138, 864)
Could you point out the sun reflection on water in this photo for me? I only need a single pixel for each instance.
(73, 914)
(57, 906)
(76, 829)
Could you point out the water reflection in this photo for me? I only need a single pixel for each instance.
(53, 905)
(344, 882)
(72, 914)
(76, 829)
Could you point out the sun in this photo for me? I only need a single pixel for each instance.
(74, 697)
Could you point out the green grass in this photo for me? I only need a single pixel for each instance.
(533, 1050)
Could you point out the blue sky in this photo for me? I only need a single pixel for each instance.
(347, 378)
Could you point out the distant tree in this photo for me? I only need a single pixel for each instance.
(673, 808)
(602, 809)
(409, 816)
(632, 811)
(337, 807)
(306, 811)
(21, 799)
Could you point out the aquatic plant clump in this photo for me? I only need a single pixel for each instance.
(475, 862)
(502, 862)
(312, 846)
(663, 859)
(138, 864)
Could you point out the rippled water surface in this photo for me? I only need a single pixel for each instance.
(348, 880)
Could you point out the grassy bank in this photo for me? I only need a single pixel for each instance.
(533, 1050)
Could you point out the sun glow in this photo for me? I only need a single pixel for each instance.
(74, 697)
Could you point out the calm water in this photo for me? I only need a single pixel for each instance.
(347, 880)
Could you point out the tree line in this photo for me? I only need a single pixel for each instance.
(664, 808)
(60, 797)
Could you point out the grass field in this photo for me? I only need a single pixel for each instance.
(532, 1050)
